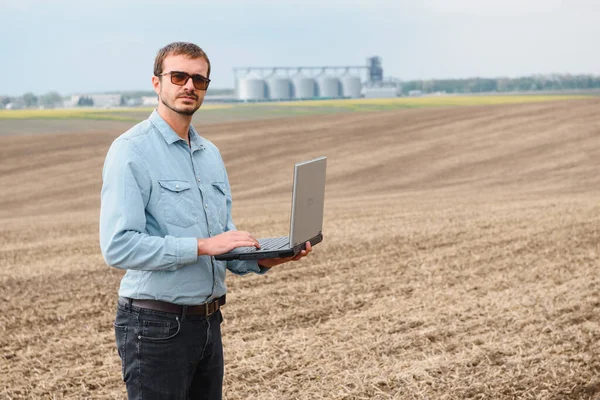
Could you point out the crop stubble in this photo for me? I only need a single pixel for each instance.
(460, 259)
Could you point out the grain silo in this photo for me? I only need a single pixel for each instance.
(351, 86)
(329, 86)
(305, 82)
(279, 88)
(304, 87)
(251, 88)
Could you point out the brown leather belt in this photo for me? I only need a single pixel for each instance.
(205, 309)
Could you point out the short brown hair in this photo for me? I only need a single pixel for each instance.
(177, 48)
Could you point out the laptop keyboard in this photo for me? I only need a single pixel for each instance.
(266, 244)
(273, 243)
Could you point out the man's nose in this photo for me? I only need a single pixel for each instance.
(189, 84)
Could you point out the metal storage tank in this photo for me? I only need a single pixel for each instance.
(304, 87)
(279, 88)
(251, 88)
(329, 86)
(351, 86)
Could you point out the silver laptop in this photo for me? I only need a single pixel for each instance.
(306, 222)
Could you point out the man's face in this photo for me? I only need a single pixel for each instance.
(184, 99)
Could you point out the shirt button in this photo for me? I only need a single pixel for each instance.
(198, 179)
(206, 206)
(176, 186)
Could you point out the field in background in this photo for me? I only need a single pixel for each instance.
(290, 108)
(460, 259)
(96, 121)
(111, 114)
(430, 101)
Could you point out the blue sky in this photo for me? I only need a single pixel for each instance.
(91, 46)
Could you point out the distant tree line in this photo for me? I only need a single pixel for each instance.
(85, 101)
(150, 93)
(522, 84)
(54, 99)
(30, 100)
(555, 82)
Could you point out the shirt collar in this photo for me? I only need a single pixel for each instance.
(197, 142)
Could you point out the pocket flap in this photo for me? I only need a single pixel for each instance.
(220, 186)
(175, 186)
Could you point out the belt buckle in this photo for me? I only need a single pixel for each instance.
(207, 309)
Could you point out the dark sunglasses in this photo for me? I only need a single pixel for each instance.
(180, 78)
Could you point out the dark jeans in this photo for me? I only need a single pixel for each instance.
(167, 356)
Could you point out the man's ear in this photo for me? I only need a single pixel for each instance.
(156, 84)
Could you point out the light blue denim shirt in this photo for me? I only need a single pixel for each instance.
(159, 195)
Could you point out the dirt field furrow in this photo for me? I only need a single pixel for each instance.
(460, 258)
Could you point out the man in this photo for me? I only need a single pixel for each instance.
(165, 212)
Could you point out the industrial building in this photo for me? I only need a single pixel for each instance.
(306, 83)
(95, 100)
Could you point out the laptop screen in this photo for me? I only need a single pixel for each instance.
(308, 200)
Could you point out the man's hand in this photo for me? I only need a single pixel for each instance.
(225, 242)
(271, 262)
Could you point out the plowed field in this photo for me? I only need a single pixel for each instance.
(460, 260)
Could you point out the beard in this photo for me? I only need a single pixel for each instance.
(181, 110)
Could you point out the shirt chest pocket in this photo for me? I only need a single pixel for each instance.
(178, 203)
(218, 193)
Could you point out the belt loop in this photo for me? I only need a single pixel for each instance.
(183, 312)
(129, 302)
